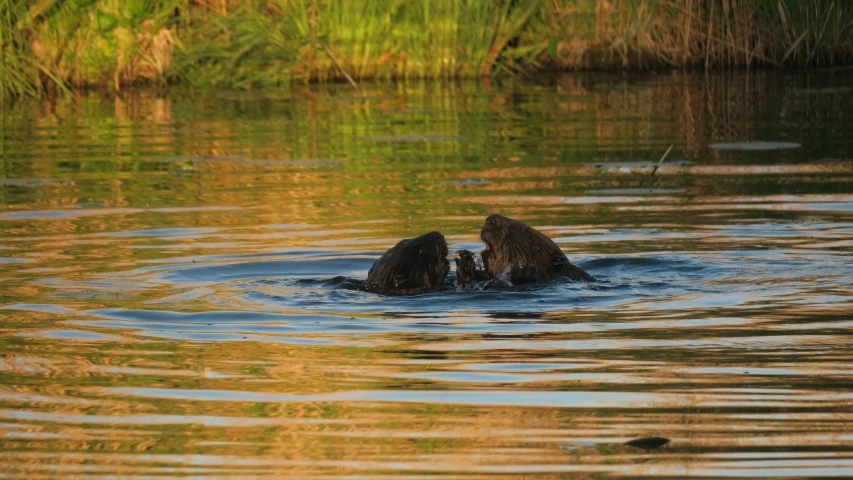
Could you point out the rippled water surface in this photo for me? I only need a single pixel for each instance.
(178, 273)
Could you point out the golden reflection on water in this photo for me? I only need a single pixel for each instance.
(177, 271)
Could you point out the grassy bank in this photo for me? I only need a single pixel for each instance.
(60, 44)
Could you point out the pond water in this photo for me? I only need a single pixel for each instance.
(176, 273)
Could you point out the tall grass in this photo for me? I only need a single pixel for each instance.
(269, 42)
(707, 33)
(19, 74)
(256, 43)
(63, 43)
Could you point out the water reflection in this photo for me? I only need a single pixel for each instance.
(179, 273)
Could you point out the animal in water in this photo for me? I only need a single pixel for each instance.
(467, 271)
(648, 443)
(521, 254)
(415, 265)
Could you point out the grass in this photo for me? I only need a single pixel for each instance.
(50, 44)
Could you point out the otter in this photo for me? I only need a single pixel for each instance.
(415, 265)
(524, 254)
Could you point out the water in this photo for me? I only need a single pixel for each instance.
(177, 273)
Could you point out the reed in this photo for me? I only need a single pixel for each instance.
(17, 74)
(706, 33)
(50, 44)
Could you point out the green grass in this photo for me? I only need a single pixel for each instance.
(18, 75)
(246, 44)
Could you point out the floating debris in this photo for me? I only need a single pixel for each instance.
(755, 146)
(648, 443)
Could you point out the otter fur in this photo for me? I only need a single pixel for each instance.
(467, 272)
(524, 254)
(415, 265)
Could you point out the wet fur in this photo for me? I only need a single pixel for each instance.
(524, 254)
(467, 272)
(415, 265)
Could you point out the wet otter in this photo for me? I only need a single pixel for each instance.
(415, 265)
(523, 254)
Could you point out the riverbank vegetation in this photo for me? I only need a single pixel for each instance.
(62, 44)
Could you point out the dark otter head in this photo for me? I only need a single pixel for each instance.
(414, 265)
(500, 230)
(523, 254)
(507, 244)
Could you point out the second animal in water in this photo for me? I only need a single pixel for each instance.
(523, 254)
